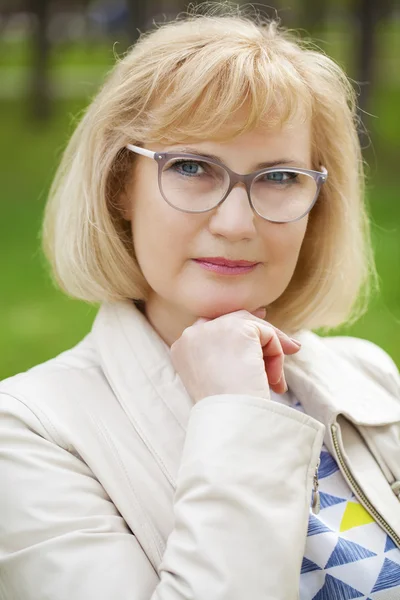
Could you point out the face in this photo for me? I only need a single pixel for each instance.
(168, 243)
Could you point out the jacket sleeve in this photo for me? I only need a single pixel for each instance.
(241, 511)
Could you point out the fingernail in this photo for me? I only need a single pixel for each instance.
(276, 382)
(296, 342)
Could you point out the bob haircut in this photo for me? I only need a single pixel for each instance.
(187, 79)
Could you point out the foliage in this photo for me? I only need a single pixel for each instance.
(37, 321)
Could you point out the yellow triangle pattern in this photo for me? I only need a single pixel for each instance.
(354, 516)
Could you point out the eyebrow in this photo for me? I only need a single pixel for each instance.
(261, 165)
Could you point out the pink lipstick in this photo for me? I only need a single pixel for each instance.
(224, 266)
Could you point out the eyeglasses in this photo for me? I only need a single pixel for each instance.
(197, 184)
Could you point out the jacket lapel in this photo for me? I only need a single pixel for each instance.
(137, 365)
(134, 358)
(328, 383)
(365, 416)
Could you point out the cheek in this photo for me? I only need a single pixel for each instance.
(284, 243)
(150, 233)
(162, 235)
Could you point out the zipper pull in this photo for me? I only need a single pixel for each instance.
(396, 489)
(316, 506)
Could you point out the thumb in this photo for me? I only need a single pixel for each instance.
(261, 313)
(199, 321)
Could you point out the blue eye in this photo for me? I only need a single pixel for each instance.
(280, 176)
(187, 167)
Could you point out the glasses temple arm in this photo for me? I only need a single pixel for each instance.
(141, 151)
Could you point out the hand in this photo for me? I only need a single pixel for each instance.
(237, 353)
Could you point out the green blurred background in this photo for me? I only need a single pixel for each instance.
(53, 56)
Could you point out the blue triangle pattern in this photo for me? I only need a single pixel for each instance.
(327, 465)
(388, 577)
(389, 544)
(315, 526)
(334, 589)
(346, 552)
(308, 566)
(328, 500)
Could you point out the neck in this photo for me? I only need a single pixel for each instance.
(167, 320)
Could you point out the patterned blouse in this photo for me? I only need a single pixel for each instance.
(347, 554)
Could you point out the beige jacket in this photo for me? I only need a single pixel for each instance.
(114, 486)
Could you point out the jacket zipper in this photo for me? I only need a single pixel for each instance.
(358, 491)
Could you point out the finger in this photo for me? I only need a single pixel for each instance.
(276, 379)
(289, 345)
(280, 387)
(272, 352)
(274, 368)
(200, 321)
(260, 313)
(273, 356)
(270, 342)
(280, 384)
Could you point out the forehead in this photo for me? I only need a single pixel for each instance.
(290, 142)
(267, 136)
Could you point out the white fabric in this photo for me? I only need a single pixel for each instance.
(113, 485)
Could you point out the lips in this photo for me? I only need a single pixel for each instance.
(224, 266)
(225, 262)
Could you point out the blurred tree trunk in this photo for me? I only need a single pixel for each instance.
(137, 18)
(313, 15)
(368, 16)
(40, 85)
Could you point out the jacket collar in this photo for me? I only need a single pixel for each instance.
(137, 365)
(329, 383)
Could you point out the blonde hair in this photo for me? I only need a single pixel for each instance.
(187, 79)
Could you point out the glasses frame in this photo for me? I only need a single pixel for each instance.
(234, 178)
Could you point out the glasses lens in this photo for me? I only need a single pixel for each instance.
(193, 185)
(283, 195)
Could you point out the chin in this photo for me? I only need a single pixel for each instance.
(208, 309)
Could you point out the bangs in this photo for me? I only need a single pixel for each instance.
(205, 98)
(213, 78)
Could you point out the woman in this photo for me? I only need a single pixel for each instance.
(211, 200)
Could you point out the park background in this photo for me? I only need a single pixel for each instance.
(53, 56)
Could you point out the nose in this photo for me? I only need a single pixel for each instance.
(234, 219)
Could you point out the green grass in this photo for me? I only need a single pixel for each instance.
(18, 53)
(37, 321)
